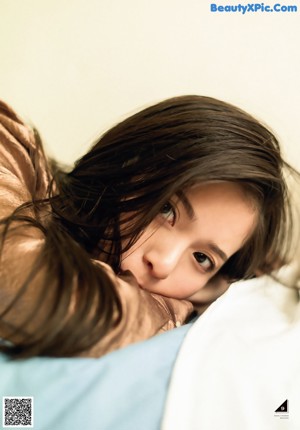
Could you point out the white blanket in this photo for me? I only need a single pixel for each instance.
(240, 362)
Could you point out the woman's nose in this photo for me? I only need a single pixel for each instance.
(162, 262)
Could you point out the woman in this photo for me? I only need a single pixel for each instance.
(184, 192)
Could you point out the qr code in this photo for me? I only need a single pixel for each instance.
(18, 412)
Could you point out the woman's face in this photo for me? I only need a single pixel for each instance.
(182, 249)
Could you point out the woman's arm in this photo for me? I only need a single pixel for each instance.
(29, 300)
(144, 315)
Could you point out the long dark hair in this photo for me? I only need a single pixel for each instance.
(120, 185)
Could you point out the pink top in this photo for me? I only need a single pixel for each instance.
(24, 173)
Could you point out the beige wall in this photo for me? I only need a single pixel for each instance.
(75, 67)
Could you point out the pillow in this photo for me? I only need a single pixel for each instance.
(239, 365)
(124, 390)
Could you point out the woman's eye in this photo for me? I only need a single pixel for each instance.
(204, 261)
(168, 212)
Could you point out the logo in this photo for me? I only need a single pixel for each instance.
(282, 411)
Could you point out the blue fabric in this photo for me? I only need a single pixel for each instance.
(124, 390)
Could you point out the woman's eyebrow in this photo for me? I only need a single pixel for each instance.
(218, 251)
(186, 204)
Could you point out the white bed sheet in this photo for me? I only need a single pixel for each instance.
(240, 362)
